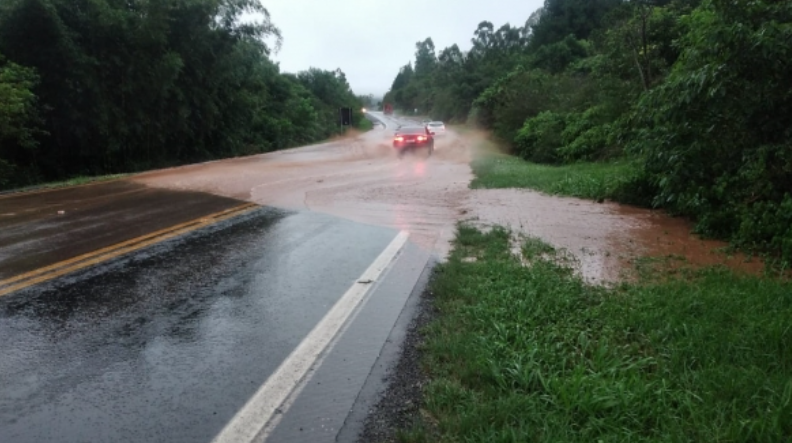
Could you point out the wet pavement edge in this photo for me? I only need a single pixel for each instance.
(384, 368)
(335, 401)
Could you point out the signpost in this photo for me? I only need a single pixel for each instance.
(346, 116)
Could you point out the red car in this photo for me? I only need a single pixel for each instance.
(410, 138)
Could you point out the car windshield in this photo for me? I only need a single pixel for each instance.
(436, 124)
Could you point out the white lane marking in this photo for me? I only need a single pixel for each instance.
(260, 409)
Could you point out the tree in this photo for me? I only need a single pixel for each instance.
(331, 91)
(425, 59)
(716, 136)
(18, 113)
(18, 117)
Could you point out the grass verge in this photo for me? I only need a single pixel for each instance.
(365, 125)
(531, 353)
(596, 181)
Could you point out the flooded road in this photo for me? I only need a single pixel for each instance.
(359, 179)
(286, 308)
(362, 180)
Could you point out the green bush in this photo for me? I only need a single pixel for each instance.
(635, 189)
(767, 226)
(589, 145)
(540, 137)
(150, 84)
(585, 136)
(554, 137)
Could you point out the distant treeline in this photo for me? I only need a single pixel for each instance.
(696, 93)
(105, 86)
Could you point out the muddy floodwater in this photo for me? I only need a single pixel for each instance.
(361, 179)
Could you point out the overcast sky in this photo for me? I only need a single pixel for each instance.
(371, 39)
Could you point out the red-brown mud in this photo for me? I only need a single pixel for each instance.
(362, 179)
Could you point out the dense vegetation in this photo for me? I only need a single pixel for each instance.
(104, 86)
(697, 93)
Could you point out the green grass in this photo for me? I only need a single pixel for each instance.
(365, 124)
(533, 354)
(585, 180)
(76, 181)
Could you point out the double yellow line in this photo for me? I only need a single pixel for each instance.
(47, 273)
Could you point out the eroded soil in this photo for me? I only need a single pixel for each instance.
(362, 179)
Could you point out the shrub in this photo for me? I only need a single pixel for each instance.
(585, 136)
(540, 137)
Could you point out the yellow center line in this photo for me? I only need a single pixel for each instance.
(83, 261)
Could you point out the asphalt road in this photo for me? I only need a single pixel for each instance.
(170, 343)
(42, 228)
(265, 326)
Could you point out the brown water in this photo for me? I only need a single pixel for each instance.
(361, 179)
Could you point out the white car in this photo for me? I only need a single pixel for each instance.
(437, 128)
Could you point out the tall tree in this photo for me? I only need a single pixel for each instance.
(425, 58)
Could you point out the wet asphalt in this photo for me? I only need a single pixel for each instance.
(168, 343)
(41, 228)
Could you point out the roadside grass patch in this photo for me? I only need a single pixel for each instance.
(597, 181)
(365, 124)
(82, 180)
(532, 353)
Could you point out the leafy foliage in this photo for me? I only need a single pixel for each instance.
(19, 120)
(717, 134)
(539, 138)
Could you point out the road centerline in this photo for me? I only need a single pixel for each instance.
(260, 409)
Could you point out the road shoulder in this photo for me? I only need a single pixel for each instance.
(398, 380)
